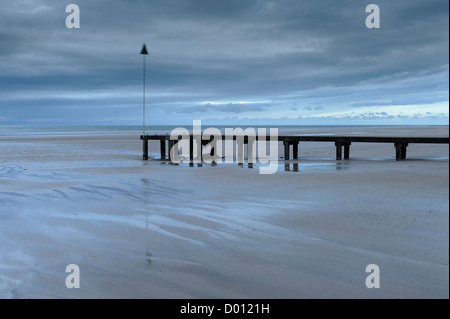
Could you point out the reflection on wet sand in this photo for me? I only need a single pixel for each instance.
(287, 167)
(341, 165)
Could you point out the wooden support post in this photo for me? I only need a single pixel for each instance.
(347, 150)
(210, 156)
(400, 151)
(145, 149)
(338, 151)
(199, 155)
(199, 147)
(176, 151)
(191, 151)
(286, 150)
(404, 146)
(163, 149)
(250, 152)
(170, 149)
(213, 151)
(240, 151)
(295, 150)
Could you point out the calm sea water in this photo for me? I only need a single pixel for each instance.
(6, 130)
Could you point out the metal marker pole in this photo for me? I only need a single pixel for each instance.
(143, 100)
(144, 141)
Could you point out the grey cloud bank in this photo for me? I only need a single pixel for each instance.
(274, 62)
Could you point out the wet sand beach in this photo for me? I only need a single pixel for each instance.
(148, 229)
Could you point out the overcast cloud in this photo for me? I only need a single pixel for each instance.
(225, 62)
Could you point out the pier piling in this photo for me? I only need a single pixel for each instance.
(295, 150)
(145, 150)
(400, 151)
(163, 149)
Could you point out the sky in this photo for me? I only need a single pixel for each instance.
(253, 62)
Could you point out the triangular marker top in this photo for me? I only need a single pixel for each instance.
(144, 49)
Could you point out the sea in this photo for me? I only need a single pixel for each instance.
(6, 130)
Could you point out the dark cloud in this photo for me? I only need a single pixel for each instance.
(226, 108)
(299, 54)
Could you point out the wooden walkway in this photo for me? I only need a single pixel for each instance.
(400, 143)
